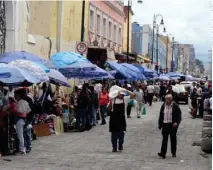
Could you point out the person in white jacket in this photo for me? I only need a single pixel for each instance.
(139, 97)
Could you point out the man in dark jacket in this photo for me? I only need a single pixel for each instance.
(169, 120)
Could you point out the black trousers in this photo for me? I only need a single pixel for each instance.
(117, 138)
(150, 98)
(167, 130)
(129, 108)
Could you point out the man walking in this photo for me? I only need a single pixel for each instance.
(169, 120)
(150, 93)
(139, 98)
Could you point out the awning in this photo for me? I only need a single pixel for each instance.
(146, 60)
(119, 56)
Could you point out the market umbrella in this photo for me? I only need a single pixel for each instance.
(70, 62)
(57, 78)
(11, 75)
(173, 74)
(121, 72)
(164, 77)
(134, 71)
(11, 56)
(32, 68)
(96, 73)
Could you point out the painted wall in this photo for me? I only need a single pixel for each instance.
(110, 12)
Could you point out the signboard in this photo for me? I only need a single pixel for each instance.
(81, 47)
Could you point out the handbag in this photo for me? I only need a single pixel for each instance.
(143, 110)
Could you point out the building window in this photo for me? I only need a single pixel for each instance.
(91, 24)
(119, 36)
(110, 30)
(115, 33)
(104, 27)
(98, 25)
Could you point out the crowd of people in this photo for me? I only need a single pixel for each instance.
(91, 103)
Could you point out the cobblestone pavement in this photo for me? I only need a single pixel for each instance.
(92, 150)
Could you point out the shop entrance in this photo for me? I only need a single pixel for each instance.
(97, 56)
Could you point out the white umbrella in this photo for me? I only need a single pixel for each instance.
(31, 68)
(11, 75)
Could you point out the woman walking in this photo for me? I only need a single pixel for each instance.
(103, 102)
(117, 122)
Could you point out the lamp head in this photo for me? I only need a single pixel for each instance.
(164, 30)
(140, 1)
(162, 22)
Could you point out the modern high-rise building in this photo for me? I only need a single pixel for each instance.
(142, 44)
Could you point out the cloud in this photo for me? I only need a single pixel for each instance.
(189, 21)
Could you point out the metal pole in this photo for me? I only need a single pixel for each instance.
(172, 52)
(167, 49)
(157, 46)
(82, 20)
(127, 55)
(153, 38)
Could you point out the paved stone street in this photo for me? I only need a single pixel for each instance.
(92, 150)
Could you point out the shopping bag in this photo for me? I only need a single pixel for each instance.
(143, 110)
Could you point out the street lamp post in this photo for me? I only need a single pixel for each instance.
(157, 34)
(153, 32)
(129, 7)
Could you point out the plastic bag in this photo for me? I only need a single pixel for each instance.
(143, 110)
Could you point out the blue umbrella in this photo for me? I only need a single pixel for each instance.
(11, 56)
(121, 72)
(57, 78)
(11, 75)
(134, 71)
(70, 61)
(96, 73)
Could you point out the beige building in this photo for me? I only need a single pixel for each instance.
(168, 44)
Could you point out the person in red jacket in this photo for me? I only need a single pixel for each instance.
(103, 102)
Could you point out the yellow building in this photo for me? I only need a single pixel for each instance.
(125, 26)
(59, 21)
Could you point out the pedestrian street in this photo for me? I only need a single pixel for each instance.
(92, 150)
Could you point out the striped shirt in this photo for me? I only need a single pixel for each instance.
(167, 114)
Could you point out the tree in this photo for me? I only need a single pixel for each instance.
(199, 63)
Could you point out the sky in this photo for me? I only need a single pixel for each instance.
(189, 21)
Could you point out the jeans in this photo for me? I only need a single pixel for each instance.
(81, 118)
(27, 137)
(117, 138)
(94, 116)
(103, 110)
(20, 134)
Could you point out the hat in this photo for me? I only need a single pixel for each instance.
(128, 85)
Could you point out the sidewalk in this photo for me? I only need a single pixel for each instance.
(92, 150)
